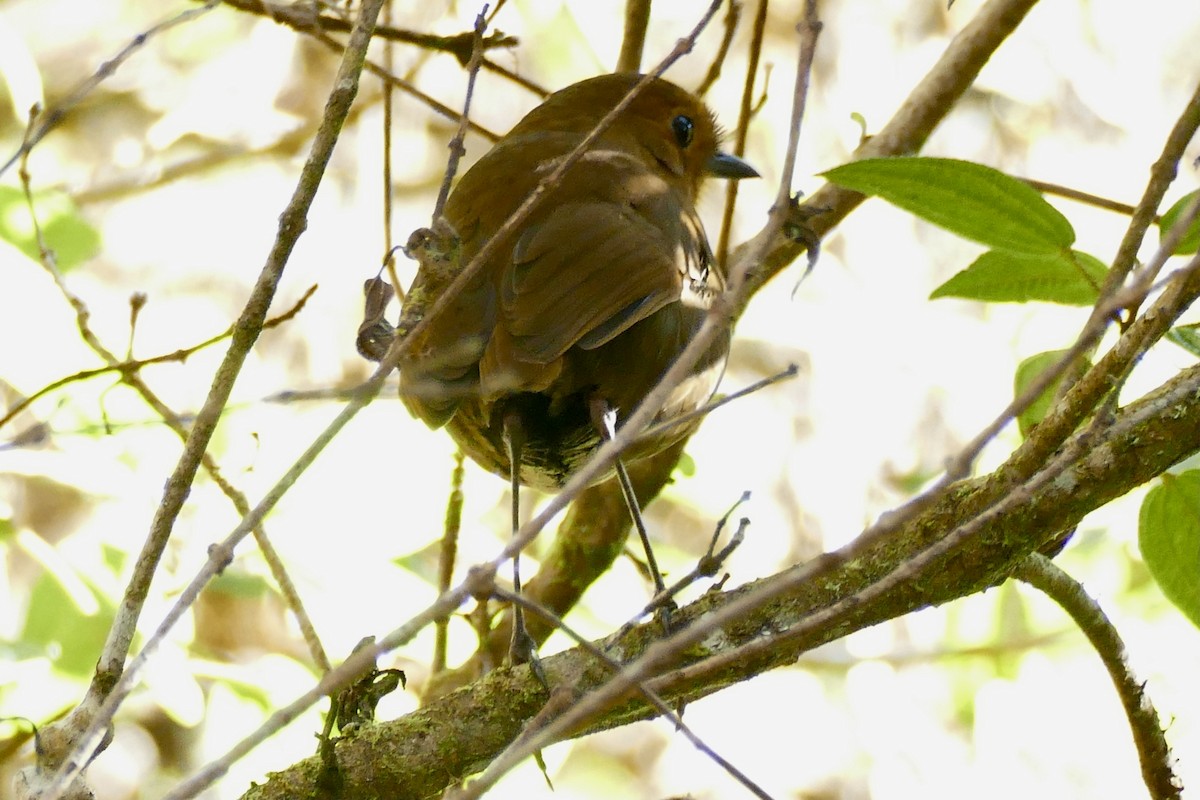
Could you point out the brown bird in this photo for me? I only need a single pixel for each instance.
(582, 310)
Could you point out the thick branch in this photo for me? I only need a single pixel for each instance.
(416, 755)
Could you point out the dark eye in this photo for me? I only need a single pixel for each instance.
(683, 128)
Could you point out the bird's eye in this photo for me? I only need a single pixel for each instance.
(683, 128)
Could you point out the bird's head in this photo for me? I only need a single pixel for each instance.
(667, 127)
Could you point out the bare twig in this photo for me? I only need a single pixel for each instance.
(408, 88)
(1153, 750)
(457, 150)
(48, 120)
(113, 681)
(732, 14)
(447, 555)
(129, 366)
(481, 577)
(743, 127)
(712, 405)
(670, 714)
(303, 18)
(706, 567)
(389, 58)
(1096, 201)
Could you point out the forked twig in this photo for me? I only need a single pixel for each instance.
(114, 678)
(49, 120)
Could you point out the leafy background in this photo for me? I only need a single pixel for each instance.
(168, 180)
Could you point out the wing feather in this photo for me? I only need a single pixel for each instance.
(583, 275)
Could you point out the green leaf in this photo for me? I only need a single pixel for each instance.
(71, 238)
(1071, 278)
(73, 634)
(1169, 538)
(971, 200)
(1187, 337)
(1027, 373)
(686, 466)
(1191, 240)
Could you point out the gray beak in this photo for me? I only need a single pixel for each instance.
(723, 165)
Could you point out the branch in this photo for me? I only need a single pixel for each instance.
(416, 755)
(926, 106)
(637, 21)
(303, 17)
(83, 729)
(1153, 751)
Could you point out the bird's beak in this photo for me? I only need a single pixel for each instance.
(723, 165)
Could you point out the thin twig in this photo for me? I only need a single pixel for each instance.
(743, 127)
(408, 88)
(130, 366)
(478, 580)
(457, 150)
(668, 713)
(113, 681)
(706, 567)
(1185, 289)
(389, 60)
(49, 120)
(712, 405)
(447, 555)
(732, 15)
(300, 17)
(1086, 198)
(1153, 750)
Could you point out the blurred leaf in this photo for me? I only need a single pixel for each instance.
(1169, 538)
(253, 693)
(1186, 337)
(861, 121)
(1191, 240)
(971, 200)
(173, 686)
(1027, 373)
(1070, 278)
(238, 583)
(71, 238)
(56, 622)
(114, 558)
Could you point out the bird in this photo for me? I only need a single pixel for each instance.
(578, 313)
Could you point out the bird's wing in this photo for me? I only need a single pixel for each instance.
(584, 274)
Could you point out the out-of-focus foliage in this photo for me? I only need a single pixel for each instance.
(168, 181)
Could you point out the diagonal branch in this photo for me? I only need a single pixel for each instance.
(415, 755)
